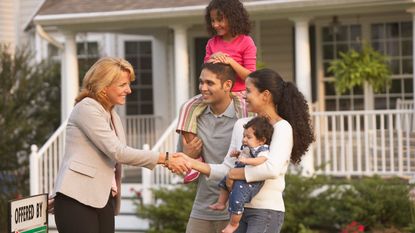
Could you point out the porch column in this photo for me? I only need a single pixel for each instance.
(181, 66)
(69, 75)
(413, 55)
(412, 11)
(303, 76)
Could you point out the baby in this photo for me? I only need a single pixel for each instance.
(254, 151)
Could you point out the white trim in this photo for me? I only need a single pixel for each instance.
(30, 19)
(255, 6)
(127, 14)
(121, 39)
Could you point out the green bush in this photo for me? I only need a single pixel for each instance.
(319, 204)
(172, 211)
(327, 204)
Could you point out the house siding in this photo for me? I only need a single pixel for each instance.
(277, 46)
(7, 23)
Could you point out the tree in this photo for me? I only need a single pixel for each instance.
(29, 113)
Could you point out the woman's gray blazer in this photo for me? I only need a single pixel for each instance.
(92, 151)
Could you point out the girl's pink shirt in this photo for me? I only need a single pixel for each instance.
(242, 49)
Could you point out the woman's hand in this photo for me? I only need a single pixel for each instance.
(242, 159)
(51, 205)
(237, 173)
(195, 164)
(178, 164)
(235, 153)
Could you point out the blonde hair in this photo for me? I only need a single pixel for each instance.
(102, 74)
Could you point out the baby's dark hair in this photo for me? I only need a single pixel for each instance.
(234, 11)
(262, 128)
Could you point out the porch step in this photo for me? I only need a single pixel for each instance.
(127, 221)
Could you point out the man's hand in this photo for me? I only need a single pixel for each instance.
(193, 148)
(178, 164)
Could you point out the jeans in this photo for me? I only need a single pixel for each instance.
(260, 221)
(242, 192)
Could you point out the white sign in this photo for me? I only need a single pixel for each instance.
(28, 213)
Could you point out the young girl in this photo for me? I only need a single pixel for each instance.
(228, 23)
(255, 147)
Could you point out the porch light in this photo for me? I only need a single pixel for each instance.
(334, 25)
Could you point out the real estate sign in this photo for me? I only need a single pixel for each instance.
(29, 215)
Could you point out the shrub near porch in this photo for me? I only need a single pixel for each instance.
(318, 204)
(327, 204)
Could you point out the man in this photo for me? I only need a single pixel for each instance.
(214, 132)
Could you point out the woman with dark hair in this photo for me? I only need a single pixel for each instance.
(268, 95)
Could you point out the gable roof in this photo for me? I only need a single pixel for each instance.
(52, 7)
(94, 14)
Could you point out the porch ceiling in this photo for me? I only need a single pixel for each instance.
(108, 15)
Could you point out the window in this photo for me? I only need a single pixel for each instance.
(394, 39)
(88, 54)
(139, 54)
(346, 37)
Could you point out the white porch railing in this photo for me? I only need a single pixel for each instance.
(407, 105)
(347, 144)
(160, 176)
(364, 143)
(44, 163)
(142, 129)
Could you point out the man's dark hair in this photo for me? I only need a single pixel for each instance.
(263, 130)
(223, 72)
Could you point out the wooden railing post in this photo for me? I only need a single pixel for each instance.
(146, 175)
(34, 170)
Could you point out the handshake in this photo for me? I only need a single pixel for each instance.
(178, 163)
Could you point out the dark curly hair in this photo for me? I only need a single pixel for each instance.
(262, 128)
(234, 11)
(291, 106)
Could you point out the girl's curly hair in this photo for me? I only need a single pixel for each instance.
(291, 106)
(234, 12)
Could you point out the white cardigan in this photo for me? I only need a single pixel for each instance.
(272, 171)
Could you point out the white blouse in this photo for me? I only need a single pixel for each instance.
(272, 171)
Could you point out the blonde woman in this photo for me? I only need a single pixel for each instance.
(87, 190)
